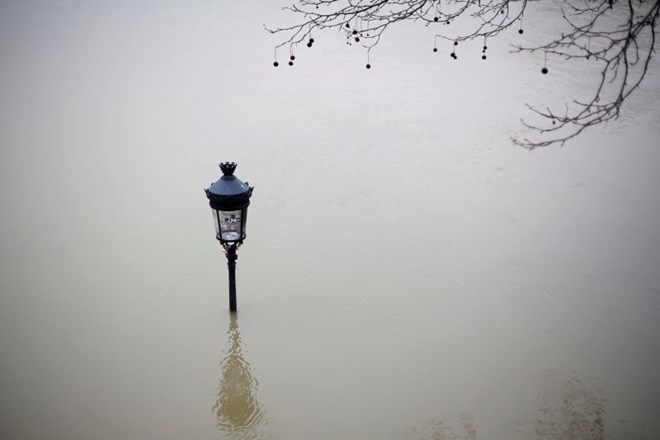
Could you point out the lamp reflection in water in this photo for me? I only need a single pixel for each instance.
(239, 414)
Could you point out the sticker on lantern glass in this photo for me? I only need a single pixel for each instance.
(230, 225)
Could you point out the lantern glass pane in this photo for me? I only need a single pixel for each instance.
(230, 225)
(216, 223)
(244, 222)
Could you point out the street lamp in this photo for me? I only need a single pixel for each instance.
(229, 199)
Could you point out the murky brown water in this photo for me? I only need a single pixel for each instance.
(408, 274)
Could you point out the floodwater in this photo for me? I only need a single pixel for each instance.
(408, 272)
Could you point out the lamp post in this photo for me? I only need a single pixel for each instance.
(229, 199)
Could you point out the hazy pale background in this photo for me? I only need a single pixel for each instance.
(408, 272)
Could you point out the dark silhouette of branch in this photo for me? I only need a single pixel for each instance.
(621, 49)
(616, 36)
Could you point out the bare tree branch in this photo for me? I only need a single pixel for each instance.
(617, 36)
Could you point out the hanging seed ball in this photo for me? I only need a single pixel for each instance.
(455, 43)
(309, 44)
(435, 49)
(483, 57)
(485, 47)
(435, 19)
(520, 31)
(544, 70)
(553, 122)
(368, 66)
(354, 32)
(348, 25)
(292, 57)
(357, 39)
(290, 63)
(311, 41)
(276, 64)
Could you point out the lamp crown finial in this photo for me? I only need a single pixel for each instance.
(228, 168)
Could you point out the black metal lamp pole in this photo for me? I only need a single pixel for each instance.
(232, 256)
(229, 199)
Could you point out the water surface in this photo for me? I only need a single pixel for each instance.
(408, 273)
